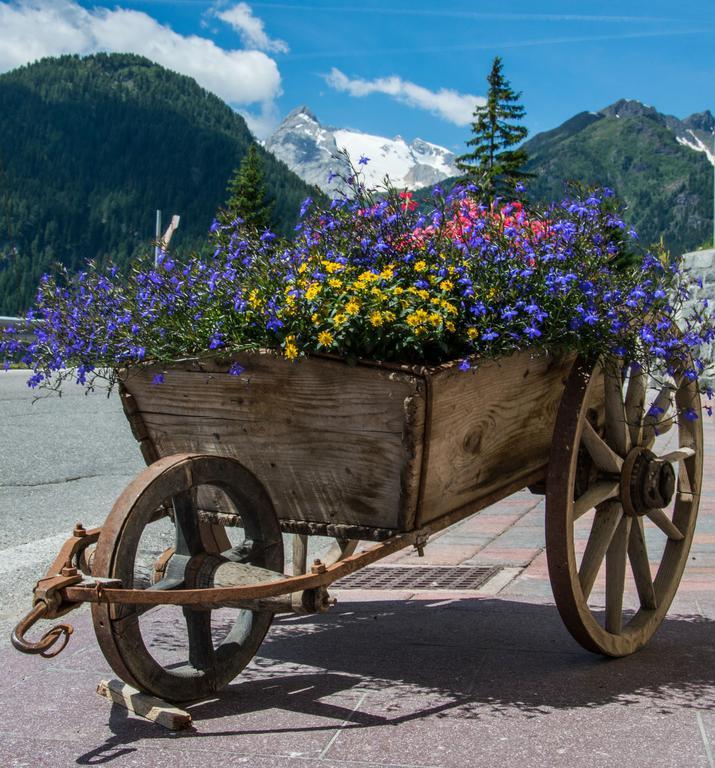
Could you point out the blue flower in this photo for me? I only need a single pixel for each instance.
(363, 160)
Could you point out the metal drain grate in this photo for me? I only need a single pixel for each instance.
(417, 577)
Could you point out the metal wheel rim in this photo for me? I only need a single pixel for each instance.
(117, 627)
(563, 564)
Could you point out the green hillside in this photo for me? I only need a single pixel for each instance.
(666, 187)
(91, 147)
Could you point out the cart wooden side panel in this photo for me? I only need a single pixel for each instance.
(360, 451)
(334, 444)
(488, 429)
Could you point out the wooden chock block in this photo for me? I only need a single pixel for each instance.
(144, 705)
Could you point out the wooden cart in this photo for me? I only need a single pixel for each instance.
(380, 453)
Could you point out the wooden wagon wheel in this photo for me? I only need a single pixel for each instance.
(179, 655)
(623, 487)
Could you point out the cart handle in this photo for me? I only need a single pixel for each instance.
(60, 632)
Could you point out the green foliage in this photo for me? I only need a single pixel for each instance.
(492, 165)
(247, 195)
(91, 147)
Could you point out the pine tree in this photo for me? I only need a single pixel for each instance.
(247, 195)
(491, 165)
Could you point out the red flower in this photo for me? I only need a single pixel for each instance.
(410, 204)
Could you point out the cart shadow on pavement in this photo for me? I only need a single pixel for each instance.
(374, 664)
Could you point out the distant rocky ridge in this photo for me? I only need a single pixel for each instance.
(695, 132)
(311, 150)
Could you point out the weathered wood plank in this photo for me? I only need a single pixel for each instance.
(344, 445)
(143, 704)
(332, 443)
(488, 428)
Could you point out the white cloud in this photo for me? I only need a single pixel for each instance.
(450, 105)
(263, 123)
(251, 29)
(32, 29)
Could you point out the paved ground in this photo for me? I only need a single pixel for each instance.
(389, 679)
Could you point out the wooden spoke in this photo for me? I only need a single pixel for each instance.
(604, 527)
(201, 650)
(595, 495)
(604, 458)
(659, 422)
(616, 433)
(684, 485)
(634, 404)
(640, 565)
(665, 524)
(616, 575)
(186, 520)
(679, 455)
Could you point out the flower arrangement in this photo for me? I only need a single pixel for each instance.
(371, 275)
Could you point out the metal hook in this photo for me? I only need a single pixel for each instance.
(61, 632)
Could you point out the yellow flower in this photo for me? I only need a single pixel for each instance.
(254, 299)
(334, 282)
(473, 333)
(398, 291)
(378, 294)
(352, 307)
(491, 293)
(387, 273)
(446, 285)
(449, 325)
(314, 318)
(302, 268)
(312, 292)
(339, 318)
(376, 318)
(420, 266)
(451, 309)
(332, 266)
(435, 319)
(423, 294)
(435, 300)
(325, 338)
(367, 277)
(418, 317)
(291, 350)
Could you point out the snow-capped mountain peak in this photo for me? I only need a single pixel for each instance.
(311, 151)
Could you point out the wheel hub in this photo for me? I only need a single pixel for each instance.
(647, 482)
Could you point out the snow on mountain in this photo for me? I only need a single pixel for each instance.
(695, 142)
(311, 150)
(696, 132)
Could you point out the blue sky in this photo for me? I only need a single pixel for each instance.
(414, 68)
